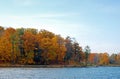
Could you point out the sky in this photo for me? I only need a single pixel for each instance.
(95, 23)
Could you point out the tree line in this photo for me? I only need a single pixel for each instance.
(30, 46)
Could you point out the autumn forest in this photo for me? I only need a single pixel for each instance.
(28, 46)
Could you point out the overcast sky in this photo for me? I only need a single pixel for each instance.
(92, 22)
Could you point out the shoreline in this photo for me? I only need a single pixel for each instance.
(53, 66)
(41, 66)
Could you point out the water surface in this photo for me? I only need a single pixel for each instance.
(60, 73)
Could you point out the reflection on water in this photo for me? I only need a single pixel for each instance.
(60, 73)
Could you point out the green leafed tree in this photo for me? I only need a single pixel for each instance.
(87, 51)
(69, 49)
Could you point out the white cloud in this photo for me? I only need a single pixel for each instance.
(105, 47)
(49, 22)
(48, 16)
(34, 20)
(44, 21)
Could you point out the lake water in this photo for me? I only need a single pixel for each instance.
(60, 73)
